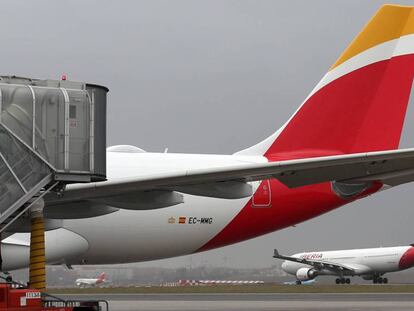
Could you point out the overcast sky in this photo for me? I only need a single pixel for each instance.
(208, 77)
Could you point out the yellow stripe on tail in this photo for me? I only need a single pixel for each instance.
(389, 23)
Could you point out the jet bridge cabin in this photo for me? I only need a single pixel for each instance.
(64, 122)
(51, 132)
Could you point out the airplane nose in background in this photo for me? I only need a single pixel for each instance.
(407, 259)
(284, 266)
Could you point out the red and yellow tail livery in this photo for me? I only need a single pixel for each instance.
(360, 104)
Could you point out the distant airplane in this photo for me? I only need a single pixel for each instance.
(92, 282)
(339, 146)
(368, 263)
(218, 282)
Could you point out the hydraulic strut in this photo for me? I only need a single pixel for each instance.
(37, 268)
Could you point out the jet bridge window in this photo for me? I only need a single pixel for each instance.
(72, 112)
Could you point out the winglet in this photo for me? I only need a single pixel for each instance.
(276, 253)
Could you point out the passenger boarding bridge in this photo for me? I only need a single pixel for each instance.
(52, 132)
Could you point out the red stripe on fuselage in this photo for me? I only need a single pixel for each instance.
(289, 207)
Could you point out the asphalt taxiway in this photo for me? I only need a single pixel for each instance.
(259, 302)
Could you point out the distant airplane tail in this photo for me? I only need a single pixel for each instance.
(101, 277)
(360, 104)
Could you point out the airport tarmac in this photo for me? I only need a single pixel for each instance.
(259, 302)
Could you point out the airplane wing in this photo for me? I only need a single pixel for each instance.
(389, 167)
(317, 264)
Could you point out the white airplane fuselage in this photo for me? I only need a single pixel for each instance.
(206, 223)
(84, 282)
(363, 262)
(150, 234)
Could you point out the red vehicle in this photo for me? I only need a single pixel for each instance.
(21, 299)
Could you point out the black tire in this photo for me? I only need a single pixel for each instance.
(342, 281)
(337, 281)
(298, 282)
(380, 280)
(385, 280)
(374, 280)
(348, 281)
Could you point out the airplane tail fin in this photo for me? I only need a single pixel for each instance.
(360, 104)
(102, 277)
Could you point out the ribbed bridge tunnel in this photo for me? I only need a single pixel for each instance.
(52, 132)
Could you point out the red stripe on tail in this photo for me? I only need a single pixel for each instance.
(361, 111)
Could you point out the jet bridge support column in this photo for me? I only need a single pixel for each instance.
(37, 268)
